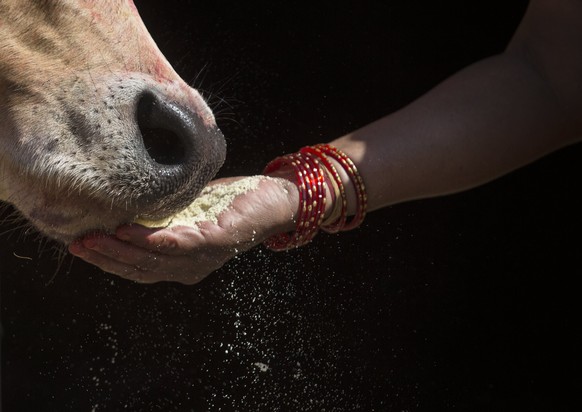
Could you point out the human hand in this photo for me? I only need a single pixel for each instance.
(188, 254)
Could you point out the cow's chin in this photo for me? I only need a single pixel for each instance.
(65, 217)
(67, 222)
(65, 214)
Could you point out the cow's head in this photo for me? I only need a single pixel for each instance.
(95, 125)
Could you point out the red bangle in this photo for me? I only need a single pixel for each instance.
(337, 224)
(310, 179)
(357, 181)
(313, 172)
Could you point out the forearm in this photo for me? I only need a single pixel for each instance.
(487, 120)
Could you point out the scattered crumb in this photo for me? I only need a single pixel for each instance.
(263, 367)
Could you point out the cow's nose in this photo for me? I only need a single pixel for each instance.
(183, 153)
(168, 132)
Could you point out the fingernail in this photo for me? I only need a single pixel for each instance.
(123, 236)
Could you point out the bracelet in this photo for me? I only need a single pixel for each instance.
(338, 216)
(339, 207)
(312, 200)
(314, 174)
(350, 168)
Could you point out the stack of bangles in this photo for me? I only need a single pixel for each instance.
(315, 174)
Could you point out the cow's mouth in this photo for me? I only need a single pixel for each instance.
(68, 220)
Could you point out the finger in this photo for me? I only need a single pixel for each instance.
(109, 265)
(135, 272)
(178, 240)
(124, 252)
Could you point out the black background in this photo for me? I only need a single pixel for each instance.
(466, 302)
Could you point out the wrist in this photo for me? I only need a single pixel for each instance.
(319, 194)
(286, 201)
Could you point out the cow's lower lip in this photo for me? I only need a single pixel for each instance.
(62, 237)
(67, 237)
(50, 219)
(69, 225)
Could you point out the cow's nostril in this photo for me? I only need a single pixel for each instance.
(161, 126)
(163, 146)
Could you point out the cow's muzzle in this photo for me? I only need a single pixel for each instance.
(180, 151)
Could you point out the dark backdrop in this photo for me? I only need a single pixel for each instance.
(465, 302)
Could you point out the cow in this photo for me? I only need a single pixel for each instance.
(96, 127)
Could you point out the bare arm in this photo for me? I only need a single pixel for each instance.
(487, 120)
(490, 118)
